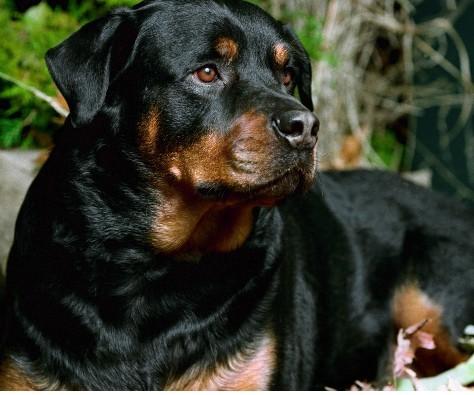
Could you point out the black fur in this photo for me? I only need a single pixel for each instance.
(91, 304)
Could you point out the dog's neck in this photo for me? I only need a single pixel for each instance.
(185, 223)
(192, 227)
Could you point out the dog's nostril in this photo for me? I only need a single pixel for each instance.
(291, 123)
(296, 127)
(315, 128)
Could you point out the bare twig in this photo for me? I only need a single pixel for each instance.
(365, 92)
(36, 92)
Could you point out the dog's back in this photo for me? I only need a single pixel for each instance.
(373, 253)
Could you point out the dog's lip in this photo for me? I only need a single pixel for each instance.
(292, 178)
(275, 181)
(271, 192)
(265, 193)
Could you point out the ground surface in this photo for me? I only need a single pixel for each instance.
(17, 169)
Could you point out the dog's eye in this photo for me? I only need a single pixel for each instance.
(207, 74)
(287, 78)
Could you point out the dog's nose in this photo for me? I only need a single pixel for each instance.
(299, 128)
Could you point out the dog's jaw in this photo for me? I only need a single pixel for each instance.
(189, 226)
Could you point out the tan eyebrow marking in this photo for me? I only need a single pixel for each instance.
(227, 48)
(280, 54)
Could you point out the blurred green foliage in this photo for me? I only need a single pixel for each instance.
(387, 151)
(25, 38)
(25, 120)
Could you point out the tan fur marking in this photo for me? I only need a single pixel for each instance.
(281, 55)
(222, 229)
(200, 226)
(411, 306)
(248, 371)
(209, 158)
(227, 48)
(148, 132)
(253, 146)
(12, 379)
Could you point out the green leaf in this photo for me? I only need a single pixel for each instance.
(28, 142)
(388, 149)
(10, 132)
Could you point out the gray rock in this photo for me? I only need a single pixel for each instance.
(17, 170)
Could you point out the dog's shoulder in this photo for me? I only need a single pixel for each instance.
(375, 209)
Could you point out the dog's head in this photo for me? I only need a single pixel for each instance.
(206, 89)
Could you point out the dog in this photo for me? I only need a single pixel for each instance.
(180, 237)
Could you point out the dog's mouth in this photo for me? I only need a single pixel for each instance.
(279, 187)
(267, 193)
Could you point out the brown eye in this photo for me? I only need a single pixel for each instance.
(287, 77)
(206, 74)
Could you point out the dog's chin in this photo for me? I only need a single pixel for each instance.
(267, 193)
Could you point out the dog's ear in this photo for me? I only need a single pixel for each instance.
(85, 64)
(304, 78)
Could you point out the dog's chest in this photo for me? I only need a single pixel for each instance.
(249, 371)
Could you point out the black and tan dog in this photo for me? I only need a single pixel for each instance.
(159, 247)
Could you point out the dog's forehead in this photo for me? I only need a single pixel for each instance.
(184, 28)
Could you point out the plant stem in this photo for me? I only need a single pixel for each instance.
(40, 95)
